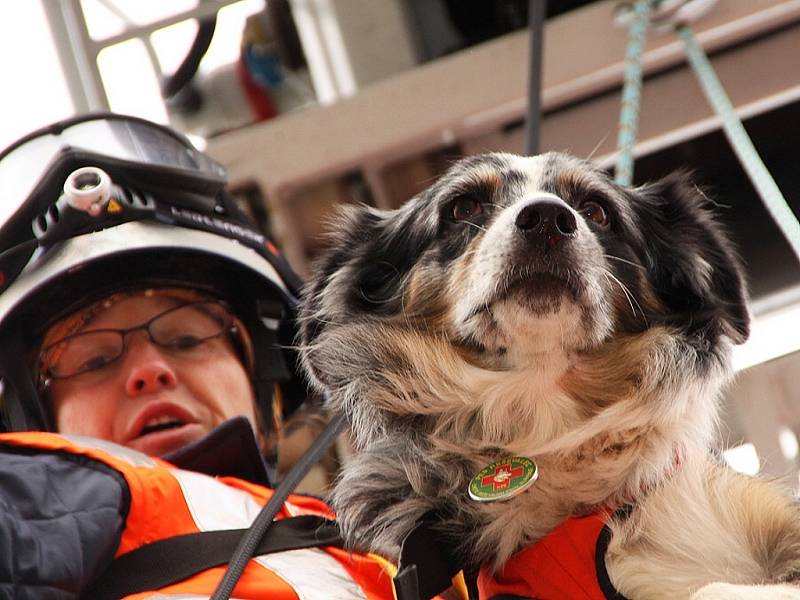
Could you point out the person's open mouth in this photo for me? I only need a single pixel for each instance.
(163, 427)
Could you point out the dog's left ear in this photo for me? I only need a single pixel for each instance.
(694, 269)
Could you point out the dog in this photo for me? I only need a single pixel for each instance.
(530, 307)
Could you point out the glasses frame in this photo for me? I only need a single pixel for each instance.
(229, 328)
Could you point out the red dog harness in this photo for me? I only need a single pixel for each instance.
(569, 563)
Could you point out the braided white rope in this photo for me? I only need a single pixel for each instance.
(741, 143)
(632, 91)
(676, 15)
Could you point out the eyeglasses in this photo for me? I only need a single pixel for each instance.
(181, 328)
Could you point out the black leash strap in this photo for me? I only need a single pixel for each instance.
(167, 561)
(425, 568)
(251, 539)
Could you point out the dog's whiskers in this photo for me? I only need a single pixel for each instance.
(378, 300)
(627, 262)
(610, 277)
(326, 321)
(317, 316)
(476, 226)
(628, 294)
(597, 146)
(711, 201)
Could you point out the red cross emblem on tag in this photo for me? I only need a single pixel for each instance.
(503, 479)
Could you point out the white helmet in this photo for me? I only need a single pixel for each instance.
(103, 203)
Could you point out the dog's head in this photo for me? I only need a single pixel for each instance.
(513, 258)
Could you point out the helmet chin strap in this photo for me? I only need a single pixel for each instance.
(13, 418)
(270, 365)
(19, 388)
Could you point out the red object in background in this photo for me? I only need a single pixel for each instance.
(269, 246)
(259, 99)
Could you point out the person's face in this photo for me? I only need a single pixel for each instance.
(153, 399)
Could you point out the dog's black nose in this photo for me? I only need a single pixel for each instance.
(548, 220)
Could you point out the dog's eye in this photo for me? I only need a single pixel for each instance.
(594, 211)
(465, 208)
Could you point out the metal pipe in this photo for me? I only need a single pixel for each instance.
(537, 9)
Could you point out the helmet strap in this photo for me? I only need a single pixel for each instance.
(24, 405)
(269, 364)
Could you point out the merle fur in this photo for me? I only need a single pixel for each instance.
(357, 292)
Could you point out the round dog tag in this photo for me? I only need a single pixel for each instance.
(503, 479)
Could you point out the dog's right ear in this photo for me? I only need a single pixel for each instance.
(348, 234)
(369, 255)
(693, 265)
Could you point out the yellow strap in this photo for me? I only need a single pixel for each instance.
(460, 585)
(387, 565)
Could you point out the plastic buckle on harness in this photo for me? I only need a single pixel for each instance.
(425, 568)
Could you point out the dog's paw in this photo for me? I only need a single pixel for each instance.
(729, 591)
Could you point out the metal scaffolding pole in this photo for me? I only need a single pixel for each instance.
(537, 10)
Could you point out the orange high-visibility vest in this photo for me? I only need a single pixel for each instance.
(568, 563)
(166, 501)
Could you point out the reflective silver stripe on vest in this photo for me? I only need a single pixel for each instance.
(129, 455)
(311, 572)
